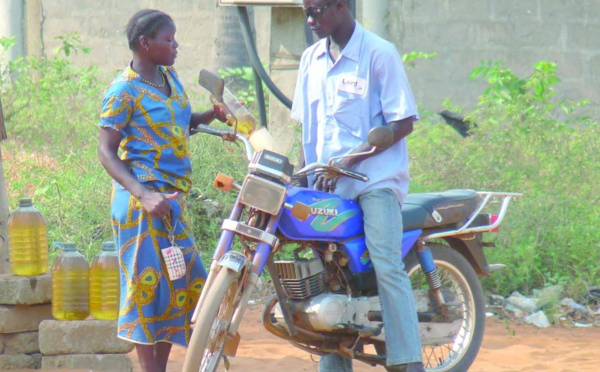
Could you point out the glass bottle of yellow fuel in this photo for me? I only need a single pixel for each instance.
(104, 283)
(28, 240)
(70, 284)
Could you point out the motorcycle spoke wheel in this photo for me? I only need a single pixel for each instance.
(208, 337)
(461, 287)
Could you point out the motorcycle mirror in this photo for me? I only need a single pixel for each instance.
(381, 137)
(213, 83)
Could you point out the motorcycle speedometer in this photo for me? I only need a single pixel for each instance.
(272, 165)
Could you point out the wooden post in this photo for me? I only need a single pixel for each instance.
(4, 262)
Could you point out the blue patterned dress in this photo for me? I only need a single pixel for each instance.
(154, 144)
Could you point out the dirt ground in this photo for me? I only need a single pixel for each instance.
(506, 347)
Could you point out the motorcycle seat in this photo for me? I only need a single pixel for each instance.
(434, 209)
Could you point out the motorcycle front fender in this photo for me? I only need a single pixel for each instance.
(233, 260)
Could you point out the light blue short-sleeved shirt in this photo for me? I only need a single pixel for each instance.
(338, 103)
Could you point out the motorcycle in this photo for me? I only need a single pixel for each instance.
(325, 298)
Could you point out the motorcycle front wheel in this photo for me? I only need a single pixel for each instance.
(208, 337)
(461, 287)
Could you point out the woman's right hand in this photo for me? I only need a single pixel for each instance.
(156, 203)
(220, 114)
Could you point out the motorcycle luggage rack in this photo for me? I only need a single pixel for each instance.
(488, 198)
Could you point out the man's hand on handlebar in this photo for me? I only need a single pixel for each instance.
(325, 182)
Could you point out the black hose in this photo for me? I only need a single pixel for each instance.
(260, 96)
(258, 68)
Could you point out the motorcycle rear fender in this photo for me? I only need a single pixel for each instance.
(233, 260)
(471, 247)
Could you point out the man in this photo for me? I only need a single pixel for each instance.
(349, 82)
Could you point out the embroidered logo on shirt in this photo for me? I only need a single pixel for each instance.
(352, 84)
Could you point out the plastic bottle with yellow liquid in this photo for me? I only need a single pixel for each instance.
(245, 121)
(104, 283)
(259, 137)
(70, 284)
(28, 240)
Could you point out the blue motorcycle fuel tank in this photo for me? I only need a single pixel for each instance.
(332, 218)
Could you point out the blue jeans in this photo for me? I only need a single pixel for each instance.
(383, 232)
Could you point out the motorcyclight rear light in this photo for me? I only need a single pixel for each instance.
(493, 219)
(262, 194)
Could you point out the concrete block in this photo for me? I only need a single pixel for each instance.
(25, 290)
(517, 10)
(465, 11)
(20, 361)
(416, 10)
(580, 37)
(569, 11)
(73, 337)
(89, 362)
(19, 343)
(20, 318)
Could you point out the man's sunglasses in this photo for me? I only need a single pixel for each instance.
(316, 12)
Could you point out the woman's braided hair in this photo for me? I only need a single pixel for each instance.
(145, 22)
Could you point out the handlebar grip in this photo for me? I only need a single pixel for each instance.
(356, 175)
(203, 128)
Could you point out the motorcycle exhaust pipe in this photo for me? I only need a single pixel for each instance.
(428, 317)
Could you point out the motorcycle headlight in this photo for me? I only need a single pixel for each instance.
(262, 194)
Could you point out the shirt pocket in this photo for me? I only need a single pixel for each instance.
(351, 112)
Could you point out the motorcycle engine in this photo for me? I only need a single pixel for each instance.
(304, 282)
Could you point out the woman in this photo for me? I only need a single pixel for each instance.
(146, 114)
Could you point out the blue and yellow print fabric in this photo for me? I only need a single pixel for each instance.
(155, 128)
(154, 308)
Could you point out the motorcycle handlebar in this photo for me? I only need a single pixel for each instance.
(331, 169)
(226, 135)
(229, 135)
(356, 175)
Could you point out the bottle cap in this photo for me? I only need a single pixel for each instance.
(109, 246)
(66, 246)
(25, 202)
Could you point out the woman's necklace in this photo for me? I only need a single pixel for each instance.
(155, 85)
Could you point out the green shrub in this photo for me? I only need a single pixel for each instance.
(518, 145)
(52, 110)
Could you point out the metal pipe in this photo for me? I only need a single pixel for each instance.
(11, 24)
(506, 198)
(375, 14)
